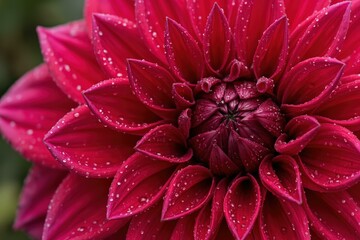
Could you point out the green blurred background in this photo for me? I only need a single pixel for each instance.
(19, 52)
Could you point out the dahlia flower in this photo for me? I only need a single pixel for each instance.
(193, 119)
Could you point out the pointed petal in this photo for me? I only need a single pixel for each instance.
(139, 183)
(25, 116)
(331, 159)
(115, 40)
(220, 163)
(325, 34)
(179, 45)
(123, 9)
(40, 186)
(281, 176)
(271, 53)
(85, 216)
(165, 143)
(184, 122)
(294, 92)
(333, 215)
(298, 11)
(283, 220)
(188, 191)
(217, 40)
(132, 116)
(68, 52)
(242, 205)
(299, 132)
(152, 85)
(148, 225)
(202, 144)
(210, 216)
(249, 27)
(184, 228)
(85, 146)
(203, 110)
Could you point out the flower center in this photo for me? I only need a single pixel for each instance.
(234, 124)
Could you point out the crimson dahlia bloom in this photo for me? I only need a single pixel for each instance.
(193, 120)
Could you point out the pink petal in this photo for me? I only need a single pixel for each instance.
(331, 160)
(68, 52)
(324, 35)
(179, 45)
(220, 163)
(203, 110)
(152, 85)
(298, 11)
(28, 111)
(184, 228)
(184, 122)
(188, 191)
(283, 220)
(113, 102)
(217, 40)
(271, 53)
(148, 225)
(250, 27)
(40, 186)
(210, 216)
(281, 176)
(115, 40)
(123, 9)
(183, 95)
(78, 211)
(333, 215)
(202, 144)
(86, 147)
(294, 92)
(139, 183)
(299, 132)
(165, 143)
(242, 205)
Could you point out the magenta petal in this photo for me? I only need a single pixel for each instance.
(114, 103)
(184, 228)
(324, 35)
(165, 143)
(283, 220)
(217, 40)
(78, 211)
(152, 84)
(184, 122)
(86, 147)
(203, 110)
(211, 215)
(331, 160)
(179, 45)
(220, 163)
(183, 95)
(188, 191)
(271, 53)
(115, 40)
(281, 176)
(68, 52)
(294, 92)
(40, 186)
(333, 215)
(241, 205)
(29, 110)
(139, 183)
(299, 132)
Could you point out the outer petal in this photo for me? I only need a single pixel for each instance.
(116, 39)
(25, 116)
(281, 176)
(184, 228)
(333, 215)
(188, 191)
(271, 53)
(138, 184)
(152, 85)
(68, 52)
(241, 205)
(283, 220)
(324, 36)
(294, 92)
(78, 209)
(86, 147)
(114, 103)
(331, 160)
(40, 186)
(165, 143)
